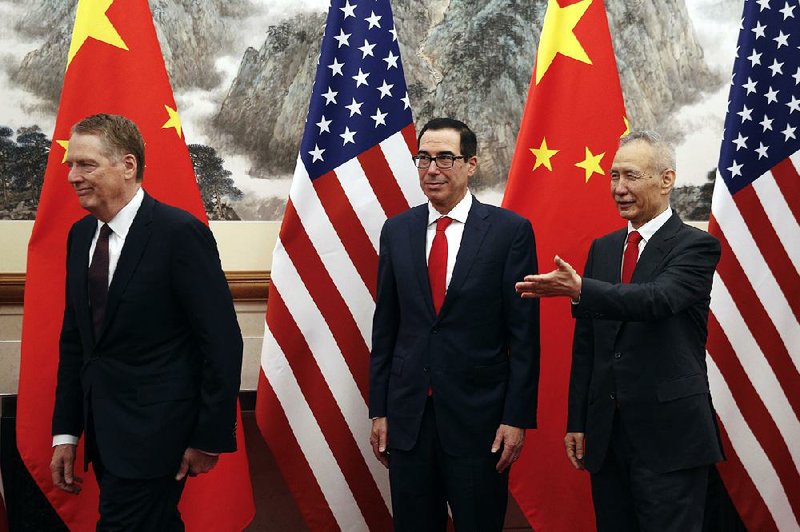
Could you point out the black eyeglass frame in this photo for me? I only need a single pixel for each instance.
(420, 158)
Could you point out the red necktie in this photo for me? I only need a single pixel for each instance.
(630, 256)
(437, 263)
(98, 279)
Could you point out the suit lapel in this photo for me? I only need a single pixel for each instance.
(417, 236)
(474, 233)
(656, 249)
(135, 244)
(79, 274)
(615, 248)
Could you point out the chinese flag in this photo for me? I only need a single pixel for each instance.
(572, 122)
(114, 66)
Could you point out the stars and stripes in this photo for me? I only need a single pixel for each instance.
(354, 170)
(754, 333)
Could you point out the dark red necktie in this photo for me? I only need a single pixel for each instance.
(437, 263)
(630, 256)
(98, 279)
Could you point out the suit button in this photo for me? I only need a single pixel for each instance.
(436, 330)
(613, 396)
(426, 369)
(617, 355)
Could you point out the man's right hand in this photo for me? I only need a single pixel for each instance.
(62, 469)
(575, 446)
(378, 438)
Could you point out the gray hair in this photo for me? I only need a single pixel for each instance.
(664, 153)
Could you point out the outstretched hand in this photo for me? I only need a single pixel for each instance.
(563, 281)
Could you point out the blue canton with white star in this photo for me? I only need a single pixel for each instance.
(359, 97)
(761, 127)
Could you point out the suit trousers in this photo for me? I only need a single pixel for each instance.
(425, 479)
(628, 496)
(138, 504)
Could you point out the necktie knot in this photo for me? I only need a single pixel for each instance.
(634, 237)
(442, 223)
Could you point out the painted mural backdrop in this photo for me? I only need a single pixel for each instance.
(242, 73)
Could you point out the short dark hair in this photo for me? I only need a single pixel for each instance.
(120, 137)
(469, 142)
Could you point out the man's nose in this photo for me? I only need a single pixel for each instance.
(433, 168)
(73, 176)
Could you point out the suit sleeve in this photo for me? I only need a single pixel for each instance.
(684, 280)
(206, 299)
(582, 364)
(68, 410)
(384, 329)
(522, 326)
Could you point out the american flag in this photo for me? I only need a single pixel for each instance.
(353, 171)
(754, 335)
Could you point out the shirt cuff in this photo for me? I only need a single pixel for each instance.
(206, 452)
(65, 439)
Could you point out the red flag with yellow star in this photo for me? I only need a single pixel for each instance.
(114, 66)
(572, 122)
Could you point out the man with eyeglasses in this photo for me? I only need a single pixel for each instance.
(455, 352)
(640, 415)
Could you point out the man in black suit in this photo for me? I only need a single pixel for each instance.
(150, 349)
(455, 353)
(640, 413)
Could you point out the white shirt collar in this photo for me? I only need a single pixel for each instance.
(458, 213)
(649, 229)
(121, 223)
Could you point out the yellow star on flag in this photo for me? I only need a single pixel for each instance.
(174, 120)
(91, 21)
(627, 127)
(543, 155)
(64, 144)
(591, 164)
(558, 35)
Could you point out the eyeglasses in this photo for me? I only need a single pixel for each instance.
(630, 177)
(443, 162)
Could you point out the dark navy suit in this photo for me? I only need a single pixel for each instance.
(639, 354)
(163, 374)
(479, 356)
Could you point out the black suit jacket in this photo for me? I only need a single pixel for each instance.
(164, 372)
(480, 355)
(642, 346)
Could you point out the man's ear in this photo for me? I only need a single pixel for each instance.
(129, 160)
(667, 181)
(472, 165)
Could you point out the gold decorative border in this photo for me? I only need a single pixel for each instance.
(246, 286)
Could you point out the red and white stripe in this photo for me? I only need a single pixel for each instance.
(312, 401)
(754, 344)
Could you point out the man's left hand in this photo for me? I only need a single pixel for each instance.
(511, 440)
(563, 281)
(195, 462)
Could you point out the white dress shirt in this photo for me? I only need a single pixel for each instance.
(454, 231)
(120, 225)
(648, 230)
